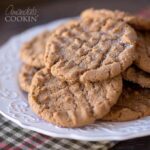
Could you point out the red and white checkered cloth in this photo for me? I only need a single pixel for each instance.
(12, 137)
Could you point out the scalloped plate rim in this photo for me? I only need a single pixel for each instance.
(74, 136)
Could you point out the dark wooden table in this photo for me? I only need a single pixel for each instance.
(55, 9)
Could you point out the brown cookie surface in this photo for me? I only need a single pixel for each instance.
(143, 51)
(25, 76)
(137, 22)
(32, 51)
(72, 104)
(133, 103)
(90, 50)
(138, 76)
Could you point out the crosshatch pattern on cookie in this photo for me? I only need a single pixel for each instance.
(90, 49)
(75, 104)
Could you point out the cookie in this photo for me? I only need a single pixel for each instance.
(143, 51)
(72, 104)
(90, 50)
(138, 76)
(137, 22)
(32, 51)
(134, 103)
(25, 76)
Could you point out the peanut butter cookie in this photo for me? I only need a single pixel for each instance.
(134, 103)
(143, 51)
(138, 76)
(72, 104)
(137, 22)
(90, 50)
(32, 51)
(25, 76)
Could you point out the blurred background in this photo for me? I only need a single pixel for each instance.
(49, 10)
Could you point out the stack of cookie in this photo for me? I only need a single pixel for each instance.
(76, 74)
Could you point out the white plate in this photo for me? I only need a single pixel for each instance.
(14, 104)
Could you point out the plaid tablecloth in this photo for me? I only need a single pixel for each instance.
(12, 137)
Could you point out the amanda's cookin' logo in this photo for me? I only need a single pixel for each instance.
(21, 15)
